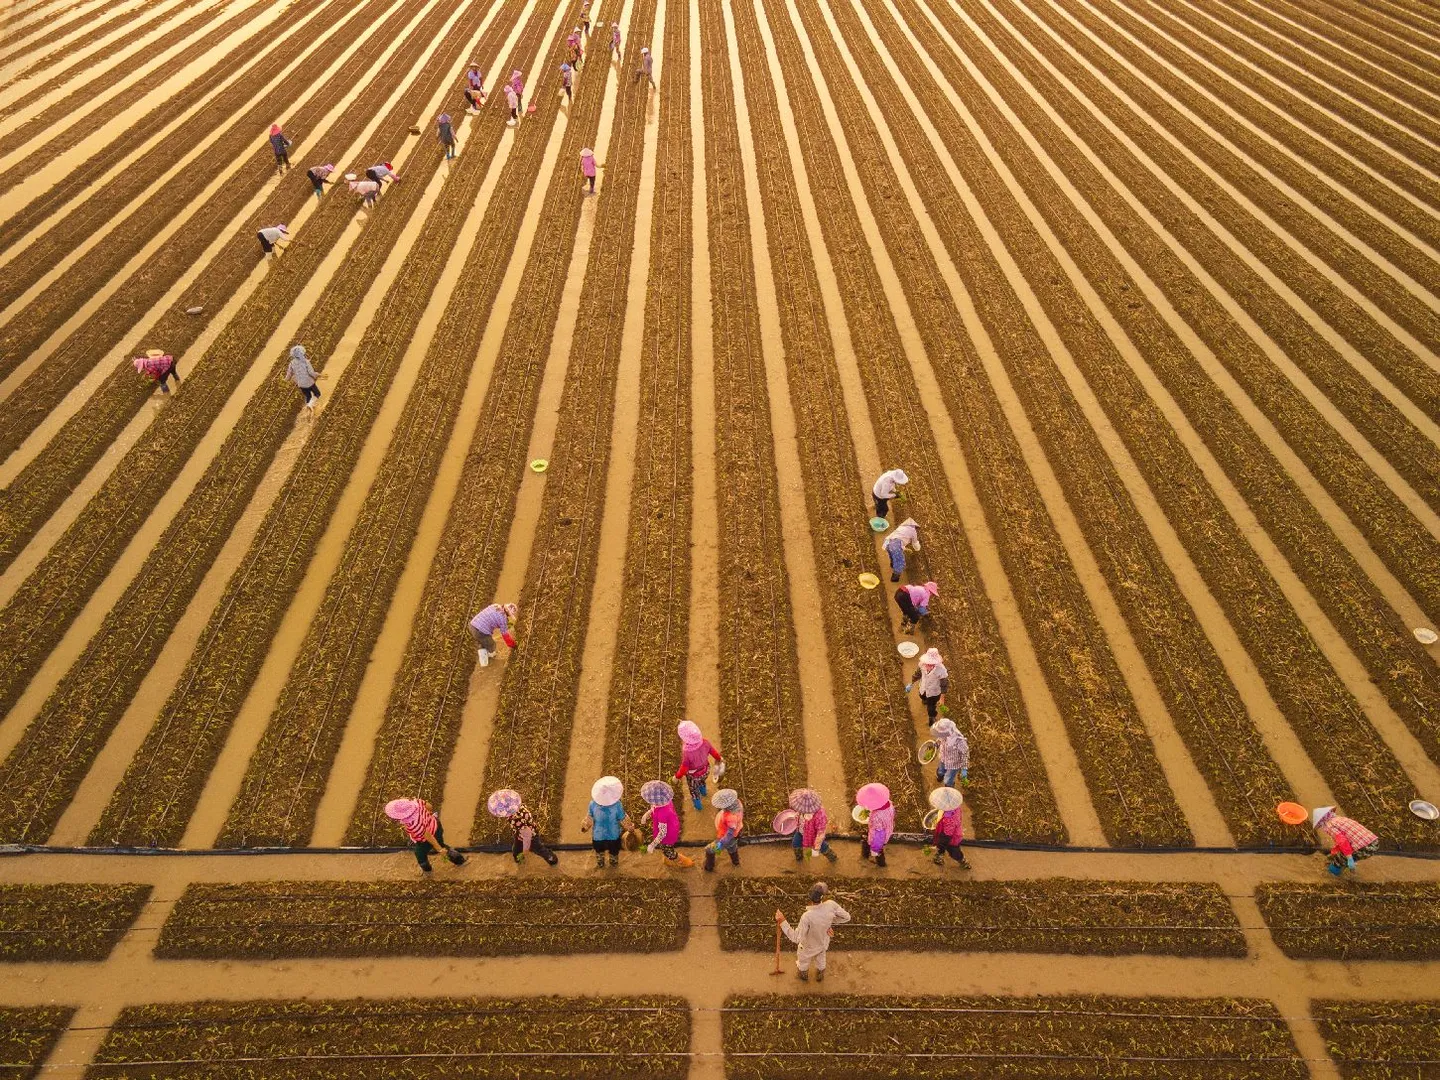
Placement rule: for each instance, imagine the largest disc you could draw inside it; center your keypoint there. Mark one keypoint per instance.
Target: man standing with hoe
(812, 937)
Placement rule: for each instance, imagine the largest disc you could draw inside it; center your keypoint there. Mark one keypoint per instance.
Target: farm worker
(954, 757)
(427, 836)
(1350, 841)
(886, 488)
(517, 81)
(281, 145)
(585, 17)
(475, 90)
(587, 167)
(512, 101)
(368, 190)
(319, 175)
(605, 820)
(506, 804)
(881, 823)
(567, 81)
(903, 536)
(810, 836)
(495, 619)
(647, 66)
(729, 823)
(574, 42)
(664, 822)
(615, 40)
(159, 366)
(382, 172)
(445, 132)
(812, 936)
(302, 374)
(273, 237)
(934, 679)
(950, 829)
(914, 603)
(695, 754)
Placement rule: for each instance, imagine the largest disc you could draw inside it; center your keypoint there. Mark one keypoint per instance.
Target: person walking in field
(508, 806)
(914, 603)
(573, 41)
(423, 828)
(615, 40)
(587, 167)
(729, 823)
(475, 89)
(512, 102)
(159, 366)
(810, 836)
(567, 82)
(949, 831)
(695, 754)
(382, 172)
(664, 822)
(585, 17)
(281, 145)
(319, 176)
(953, 759)
(275, 236)
(1350, 842)
(880, 825)
(517, 83)
(647, 66)
(445, 132)
(368, 190)
(934, 679)
(605, 819)
(812, 937)
(904, 537)
(887, 486)
(495, 619)
(302, 374)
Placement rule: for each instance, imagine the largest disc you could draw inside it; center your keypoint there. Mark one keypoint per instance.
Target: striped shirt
(1350, 830)
(421, 825)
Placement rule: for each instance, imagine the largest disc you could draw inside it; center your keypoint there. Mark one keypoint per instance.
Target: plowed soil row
(1060, 915)
(275, 920)
(1178, 75)
(66, 22)
(1208, 712)
(1008, 794)
(1381, 1040)
(1399, 41)
(647, 688)
(28, 1035)
(92, 695)
(531, 736)
(287, 774)
(877, 735)
(914, 1038)
(65, 922)
(164, 782)
(1287, 657)
(645, 1038)
(759, 685)
(1368, 920)
(47, 480)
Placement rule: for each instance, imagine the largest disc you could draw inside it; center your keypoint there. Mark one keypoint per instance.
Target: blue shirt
(607, 820)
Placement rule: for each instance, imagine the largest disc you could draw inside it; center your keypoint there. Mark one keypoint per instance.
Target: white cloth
(907, 533)
(931, 678)
(889, 483)
(274, 234)
(812, 937)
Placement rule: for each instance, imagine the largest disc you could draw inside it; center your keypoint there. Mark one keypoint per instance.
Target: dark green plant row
(65, 922)
(1354, 920)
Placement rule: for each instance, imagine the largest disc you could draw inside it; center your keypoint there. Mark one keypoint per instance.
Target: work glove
(650, 848)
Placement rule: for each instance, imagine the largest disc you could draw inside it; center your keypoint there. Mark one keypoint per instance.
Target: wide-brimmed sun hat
(944, 726)
(873, 796)
(689, 733)
(946, 799)
(607, 790)
(503, 803)
(725, 798)
(403, 810)
(804, 800)
(657, 793)
(932, 657)
(1319, 814)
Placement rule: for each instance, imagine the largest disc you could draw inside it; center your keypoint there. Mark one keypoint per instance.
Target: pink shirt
(587, 165)
(694, 760)
(812, 830)
(882, 824)
(665, 824)
(950, 827)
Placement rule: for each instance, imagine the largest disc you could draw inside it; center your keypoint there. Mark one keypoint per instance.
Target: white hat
(1319, 814)
(587, 152)
(946, 799)
(944, 726)
(644, 49)
(607, 790)
(931, 657)
(283, 229)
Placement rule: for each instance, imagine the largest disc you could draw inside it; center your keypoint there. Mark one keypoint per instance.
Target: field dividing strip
(1396, 39)
(41, 33)
(1283, 648)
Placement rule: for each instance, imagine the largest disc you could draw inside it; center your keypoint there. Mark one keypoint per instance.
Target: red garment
(950, 828)
(421, 825)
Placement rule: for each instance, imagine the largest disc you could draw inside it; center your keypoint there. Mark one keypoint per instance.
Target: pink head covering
(512, 611)
(873, 796)
(405, 811)
(689, 733)
(932, 588)
(274, 129)
(931, 658)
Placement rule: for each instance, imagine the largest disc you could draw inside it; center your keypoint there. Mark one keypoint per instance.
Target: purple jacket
(882, 824)
(491, 621)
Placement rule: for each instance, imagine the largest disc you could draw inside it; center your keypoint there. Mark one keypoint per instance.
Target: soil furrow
(80, 712)
(1391, 35)
(67, 25)
(287, 773)
(647, 689)
(27, 1035)
(531, 732)
(65, 922)
(1302, 682)
(163, 783)
(1368, 623)
(759, 687)
(64, 296)
(62, 234)
(46, 481)
(1380, 1040)
(1205, 707)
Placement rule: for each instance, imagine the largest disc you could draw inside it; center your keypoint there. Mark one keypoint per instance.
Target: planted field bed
(1056, 915)
(647, 688)
(845, 1037)
(93, 694)
(1295, 670)
(65, 922)
(606, 1038)
(27, 1035)
(1356, 920)
(759, 684)
(1381, 1040)
(278, 920)
(175, 760)
(47, 29)
(530, 738)
(287, 774)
